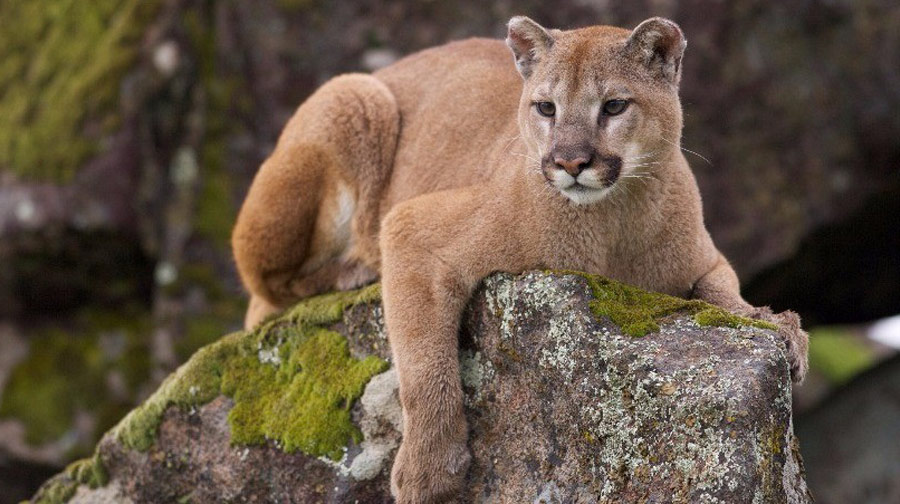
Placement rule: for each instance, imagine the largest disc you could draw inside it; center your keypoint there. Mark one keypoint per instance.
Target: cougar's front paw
(796, 341)
(795, 338)
(429, 473)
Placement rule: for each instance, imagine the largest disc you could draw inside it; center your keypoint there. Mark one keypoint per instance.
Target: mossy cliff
(94, 366)
(292, 382)
(60, 69)
(563, 404)
(117, 126)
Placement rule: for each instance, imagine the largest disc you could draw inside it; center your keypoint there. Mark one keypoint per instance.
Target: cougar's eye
(614, 107)
(545, 108)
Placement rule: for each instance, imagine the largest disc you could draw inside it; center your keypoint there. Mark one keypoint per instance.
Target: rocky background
(130, 130)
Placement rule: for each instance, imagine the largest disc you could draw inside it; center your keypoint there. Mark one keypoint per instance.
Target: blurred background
(130, 131)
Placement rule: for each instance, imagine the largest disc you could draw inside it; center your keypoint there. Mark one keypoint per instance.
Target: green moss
(713, 316)
(639, 312)
(328, 309)
(58, 490)
(66, 371)
(60, 67)
(89, 471)
(305, 402)
(292, 381)
(195, 382)
(62, 487)
(838, 354)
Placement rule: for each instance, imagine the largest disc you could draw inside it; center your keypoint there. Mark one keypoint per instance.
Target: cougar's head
(599, 104)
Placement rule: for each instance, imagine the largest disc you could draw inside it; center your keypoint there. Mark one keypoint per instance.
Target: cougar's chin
(584, 195)
(586, 188)
(589, 187)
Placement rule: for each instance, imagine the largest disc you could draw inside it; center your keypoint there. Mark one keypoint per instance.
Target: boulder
(578, 389)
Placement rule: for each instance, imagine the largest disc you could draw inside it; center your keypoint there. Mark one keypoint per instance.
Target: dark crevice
(845, 273)
(48, 277)
(20, 478)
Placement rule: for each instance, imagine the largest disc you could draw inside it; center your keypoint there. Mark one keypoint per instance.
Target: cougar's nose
(572, 166)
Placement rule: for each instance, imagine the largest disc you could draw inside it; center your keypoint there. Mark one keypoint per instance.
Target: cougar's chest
(574, 246)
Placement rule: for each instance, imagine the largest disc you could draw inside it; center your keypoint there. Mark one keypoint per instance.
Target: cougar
(464, 159)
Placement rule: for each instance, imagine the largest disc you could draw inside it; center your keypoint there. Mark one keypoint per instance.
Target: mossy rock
(639, 312)
(62, 487)
(280, 411)
(292, 381)
(61, 64)
(67, 371)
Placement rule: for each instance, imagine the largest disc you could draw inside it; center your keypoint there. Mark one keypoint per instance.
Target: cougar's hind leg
(344, 253)
(311, 215)
(370, 137)
(355, 274)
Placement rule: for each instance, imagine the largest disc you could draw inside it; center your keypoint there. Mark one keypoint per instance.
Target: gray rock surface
(563, 406)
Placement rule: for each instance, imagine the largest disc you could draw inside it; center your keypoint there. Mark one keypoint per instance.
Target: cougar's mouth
(590, 185)
(587, 186)
(597, 179)
(582, 194)
(579, 187)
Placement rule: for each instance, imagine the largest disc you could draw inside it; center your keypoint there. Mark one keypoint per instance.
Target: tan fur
(453, 175)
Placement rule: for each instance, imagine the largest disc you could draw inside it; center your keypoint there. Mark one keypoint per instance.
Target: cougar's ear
(529, 42)
(658, 44)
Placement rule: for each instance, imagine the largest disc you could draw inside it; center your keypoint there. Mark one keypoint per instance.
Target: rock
(850, 440)
(13, 349)
(578, 389)
(793, 104)
(374, 59)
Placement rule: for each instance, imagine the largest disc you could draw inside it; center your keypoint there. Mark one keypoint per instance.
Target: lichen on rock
(381, 423)
(690, 412)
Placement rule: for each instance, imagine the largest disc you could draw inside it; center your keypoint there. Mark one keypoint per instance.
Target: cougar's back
(458, 106)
